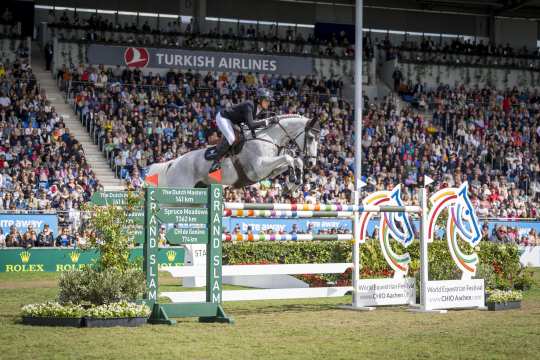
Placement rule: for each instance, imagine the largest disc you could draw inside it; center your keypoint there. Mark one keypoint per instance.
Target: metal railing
(468, 60)
(259, 45)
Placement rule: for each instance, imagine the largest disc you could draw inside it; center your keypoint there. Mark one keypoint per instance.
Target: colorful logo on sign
(171, 255)
(74, 256)
(136, 57)
(25, 256)
(395, 225)
(461, 221)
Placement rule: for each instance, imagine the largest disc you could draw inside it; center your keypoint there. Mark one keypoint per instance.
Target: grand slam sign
(142, 57)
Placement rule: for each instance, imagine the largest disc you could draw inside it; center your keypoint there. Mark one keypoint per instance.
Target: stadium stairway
(94, 157)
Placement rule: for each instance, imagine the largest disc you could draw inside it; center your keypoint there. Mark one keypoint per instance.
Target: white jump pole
(356, 252)
(358, 102)
(424, 263)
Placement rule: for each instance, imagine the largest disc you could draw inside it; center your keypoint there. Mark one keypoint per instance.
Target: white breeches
(226, 128)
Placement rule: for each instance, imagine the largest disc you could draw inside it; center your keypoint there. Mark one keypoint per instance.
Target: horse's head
(311, 143)
(399, 224)
(392, 225)
(301, 132)
(461, 221)
(464, 217)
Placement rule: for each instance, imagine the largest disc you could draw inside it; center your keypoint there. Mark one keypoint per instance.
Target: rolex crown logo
(171, 255)
(74, 255)
(25, 256)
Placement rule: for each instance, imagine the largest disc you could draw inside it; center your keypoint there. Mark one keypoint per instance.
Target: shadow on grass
(253, 308)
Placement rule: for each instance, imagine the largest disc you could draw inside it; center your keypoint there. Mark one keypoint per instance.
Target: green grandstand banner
(57, 260)
(140, 57)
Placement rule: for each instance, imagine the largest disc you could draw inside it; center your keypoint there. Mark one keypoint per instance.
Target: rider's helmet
(264, 94)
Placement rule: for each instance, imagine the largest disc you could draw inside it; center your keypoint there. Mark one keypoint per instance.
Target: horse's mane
(273, 124)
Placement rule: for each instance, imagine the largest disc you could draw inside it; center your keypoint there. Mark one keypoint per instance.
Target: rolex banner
(53, 260)
(173, 58)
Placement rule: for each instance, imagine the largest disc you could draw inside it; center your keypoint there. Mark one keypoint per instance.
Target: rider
(243, 113)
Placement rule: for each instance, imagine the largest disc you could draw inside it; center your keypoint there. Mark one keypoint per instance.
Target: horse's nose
(312, 163)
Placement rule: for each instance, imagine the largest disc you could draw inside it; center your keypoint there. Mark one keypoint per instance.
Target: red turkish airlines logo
(136, 57)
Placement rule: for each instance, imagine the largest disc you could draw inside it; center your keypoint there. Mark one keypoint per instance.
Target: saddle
(234, 149)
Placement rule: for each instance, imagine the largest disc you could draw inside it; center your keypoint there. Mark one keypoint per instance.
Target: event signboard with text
(197, 60)
(21, 222)
(461, 224)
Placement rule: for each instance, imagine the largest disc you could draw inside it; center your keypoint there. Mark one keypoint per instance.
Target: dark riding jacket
(244, 113)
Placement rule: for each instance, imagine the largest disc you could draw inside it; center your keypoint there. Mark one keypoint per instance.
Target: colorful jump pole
(285, 237)
(318, 209)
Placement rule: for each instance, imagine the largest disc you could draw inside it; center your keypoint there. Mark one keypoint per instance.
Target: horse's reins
(291, 140)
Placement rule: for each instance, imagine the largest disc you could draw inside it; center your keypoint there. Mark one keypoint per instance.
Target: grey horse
(284, 145)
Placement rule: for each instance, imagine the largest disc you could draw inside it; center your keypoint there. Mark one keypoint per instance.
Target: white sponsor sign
(529, 255)
(375, 292)
(195, 256)
(452, 294)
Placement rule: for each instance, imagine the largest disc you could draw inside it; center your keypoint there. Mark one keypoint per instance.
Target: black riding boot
(221, 150)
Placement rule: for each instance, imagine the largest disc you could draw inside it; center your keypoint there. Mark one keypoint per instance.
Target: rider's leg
(221, 149)
(226, 128)
(228, 139)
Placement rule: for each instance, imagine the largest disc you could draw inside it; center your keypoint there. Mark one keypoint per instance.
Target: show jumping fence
(202, 213)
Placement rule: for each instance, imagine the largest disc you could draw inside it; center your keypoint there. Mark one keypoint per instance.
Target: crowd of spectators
(42, 165)
(176, 34)
(44, 238)
(169, 115)
(460, 52)
(460, 46)
(486, 137)
(504, 234)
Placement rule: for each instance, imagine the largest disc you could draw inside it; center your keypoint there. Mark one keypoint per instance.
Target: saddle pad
(210, 152)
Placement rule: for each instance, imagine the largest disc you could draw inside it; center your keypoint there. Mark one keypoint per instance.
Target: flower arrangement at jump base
(54, 313)
(504, 299)
(106, 293)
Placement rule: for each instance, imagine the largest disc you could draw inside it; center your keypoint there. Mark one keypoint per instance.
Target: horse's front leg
(299, 170)
(276, 165)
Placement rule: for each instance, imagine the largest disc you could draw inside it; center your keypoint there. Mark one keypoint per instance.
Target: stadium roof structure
(528, 9)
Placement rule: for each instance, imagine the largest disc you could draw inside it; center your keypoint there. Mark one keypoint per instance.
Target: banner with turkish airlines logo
(141, 57)
(136, 57)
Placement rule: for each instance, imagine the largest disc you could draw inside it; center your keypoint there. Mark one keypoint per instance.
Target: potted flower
(117, 314)
(504, 300)
(105, 293)
(53, 314)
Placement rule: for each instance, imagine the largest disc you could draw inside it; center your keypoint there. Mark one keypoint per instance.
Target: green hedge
(498, 264)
